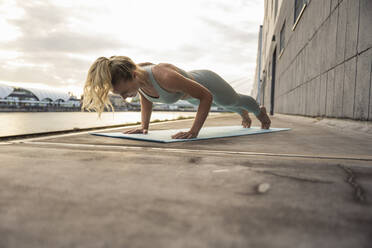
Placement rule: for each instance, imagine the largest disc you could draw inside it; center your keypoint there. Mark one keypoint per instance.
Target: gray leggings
(223, 94)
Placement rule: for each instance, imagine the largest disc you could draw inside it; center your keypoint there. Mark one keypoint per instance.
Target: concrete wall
(257, 75)
(325, 68)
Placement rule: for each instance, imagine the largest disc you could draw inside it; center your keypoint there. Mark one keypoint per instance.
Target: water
(28, 123)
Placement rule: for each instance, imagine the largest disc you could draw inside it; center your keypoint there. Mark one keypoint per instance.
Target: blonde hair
(103, 74)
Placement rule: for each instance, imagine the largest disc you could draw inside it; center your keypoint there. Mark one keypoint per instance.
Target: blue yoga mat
(164, 136)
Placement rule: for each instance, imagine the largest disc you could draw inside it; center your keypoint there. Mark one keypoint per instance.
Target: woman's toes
(264, 118)
(263, 109)
(246, 124)
(268, 124)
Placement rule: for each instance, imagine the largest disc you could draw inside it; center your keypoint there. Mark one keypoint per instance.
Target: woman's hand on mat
(137, 130)
(185, 135)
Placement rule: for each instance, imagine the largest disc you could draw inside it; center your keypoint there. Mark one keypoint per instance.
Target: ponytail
(97, 87)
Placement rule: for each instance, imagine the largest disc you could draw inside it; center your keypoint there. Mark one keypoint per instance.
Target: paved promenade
(307, 187)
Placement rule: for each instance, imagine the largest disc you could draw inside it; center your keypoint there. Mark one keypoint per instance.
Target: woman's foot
(246, 121)
(264, 118)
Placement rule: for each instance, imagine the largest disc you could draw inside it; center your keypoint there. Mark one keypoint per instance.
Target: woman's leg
(225, 96)
(245, 102)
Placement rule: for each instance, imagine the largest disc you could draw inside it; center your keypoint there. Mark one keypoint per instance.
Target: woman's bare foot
(264, 118)
(246, 121)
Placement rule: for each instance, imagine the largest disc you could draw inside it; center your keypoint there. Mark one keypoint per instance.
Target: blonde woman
(165, 83)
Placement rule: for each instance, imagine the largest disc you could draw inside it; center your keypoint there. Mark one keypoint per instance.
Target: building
(315, 58)
(14, 98)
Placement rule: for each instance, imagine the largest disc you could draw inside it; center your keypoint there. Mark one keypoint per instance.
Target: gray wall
(326, 65)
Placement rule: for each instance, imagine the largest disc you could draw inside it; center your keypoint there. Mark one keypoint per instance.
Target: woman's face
(126, 88)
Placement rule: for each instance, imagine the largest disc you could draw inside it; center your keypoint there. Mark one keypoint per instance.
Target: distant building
(25, 98)
(315, 58)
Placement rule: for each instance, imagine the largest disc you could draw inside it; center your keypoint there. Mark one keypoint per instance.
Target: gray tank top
(164, 96)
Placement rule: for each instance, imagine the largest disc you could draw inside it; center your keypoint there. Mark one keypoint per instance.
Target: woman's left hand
(185, 135)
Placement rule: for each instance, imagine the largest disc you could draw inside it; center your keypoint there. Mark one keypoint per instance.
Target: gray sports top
(164, 96)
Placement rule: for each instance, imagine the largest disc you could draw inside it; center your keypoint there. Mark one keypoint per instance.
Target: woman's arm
(146, 110)
(175, 82)
(201, 115)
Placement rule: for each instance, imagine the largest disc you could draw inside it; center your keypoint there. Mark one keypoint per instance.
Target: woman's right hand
(137, 130)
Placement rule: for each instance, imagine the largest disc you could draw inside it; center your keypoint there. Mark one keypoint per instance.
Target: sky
(51, 44)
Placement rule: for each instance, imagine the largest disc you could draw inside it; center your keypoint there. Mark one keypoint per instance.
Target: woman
(165, 83)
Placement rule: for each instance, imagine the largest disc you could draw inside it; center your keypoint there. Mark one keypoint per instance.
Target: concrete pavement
(80, 190)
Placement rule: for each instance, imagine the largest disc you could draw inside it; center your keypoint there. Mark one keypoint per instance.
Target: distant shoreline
(22, 110)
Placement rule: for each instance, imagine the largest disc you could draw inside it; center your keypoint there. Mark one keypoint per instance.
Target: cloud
(57, 41)
(64, 42)
(230, 33)
(48, 46)
(44, 27)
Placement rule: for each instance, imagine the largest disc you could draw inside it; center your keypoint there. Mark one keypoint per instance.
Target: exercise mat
(164, 136)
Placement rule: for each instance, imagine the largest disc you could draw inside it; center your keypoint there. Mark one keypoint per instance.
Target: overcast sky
(52, 44)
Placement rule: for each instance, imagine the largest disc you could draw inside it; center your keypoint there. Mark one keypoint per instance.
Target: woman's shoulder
(161, 66)
(145, 63)
(168, 66)
(164, 75)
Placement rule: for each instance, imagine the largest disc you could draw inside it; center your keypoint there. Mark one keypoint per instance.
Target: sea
(21, 123)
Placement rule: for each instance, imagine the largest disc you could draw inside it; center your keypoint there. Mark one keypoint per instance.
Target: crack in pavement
(359, 193)
(302, 179)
